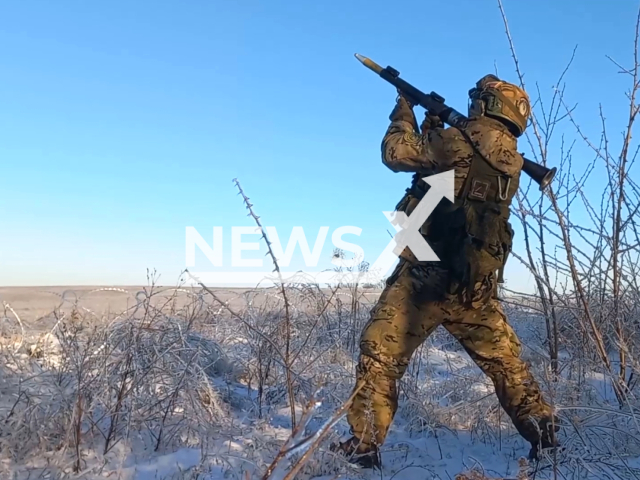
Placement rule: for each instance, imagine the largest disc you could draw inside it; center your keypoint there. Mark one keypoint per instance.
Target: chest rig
(472, 236)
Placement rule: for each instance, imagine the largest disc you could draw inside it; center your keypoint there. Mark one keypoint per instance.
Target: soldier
(472, 238)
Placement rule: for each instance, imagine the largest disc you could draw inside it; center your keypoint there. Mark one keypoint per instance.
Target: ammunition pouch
(412, 197)
(486, 244)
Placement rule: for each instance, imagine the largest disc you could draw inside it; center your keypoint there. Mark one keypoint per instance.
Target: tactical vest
(472, 236)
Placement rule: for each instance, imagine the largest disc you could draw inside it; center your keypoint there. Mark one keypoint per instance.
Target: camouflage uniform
(420, 296)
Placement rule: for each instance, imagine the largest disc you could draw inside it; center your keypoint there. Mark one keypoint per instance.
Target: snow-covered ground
(199, 391)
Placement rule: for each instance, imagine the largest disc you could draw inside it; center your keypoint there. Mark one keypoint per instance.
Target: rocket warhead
(370, 64)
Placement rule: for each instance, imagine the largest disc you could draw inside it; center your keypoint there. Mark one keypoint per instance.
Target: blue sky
(122, 123)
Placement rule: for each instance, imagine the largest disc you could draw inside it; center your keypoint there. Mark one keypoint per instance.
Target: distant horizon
(71, 287)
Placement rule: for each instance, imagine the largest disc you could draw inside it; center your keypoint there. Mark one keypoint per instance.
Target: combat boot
(548, 438)
(358, 453)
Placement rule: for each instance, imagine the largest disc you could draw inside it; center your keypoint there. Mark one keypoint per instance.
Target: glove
(403, 111)
(430, 122)
(404, 97)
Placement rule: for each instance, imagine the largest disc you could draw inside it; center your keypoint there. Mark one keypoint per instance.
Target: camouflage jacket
(479, 215)
(406, 150)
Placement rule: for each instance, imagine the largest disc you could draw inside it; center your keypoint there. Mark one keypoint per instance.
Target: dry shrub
(90, 385)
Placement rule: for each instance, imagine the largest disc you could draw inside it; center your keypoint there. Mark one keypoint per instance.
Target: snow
(448, 421)
(162, 466)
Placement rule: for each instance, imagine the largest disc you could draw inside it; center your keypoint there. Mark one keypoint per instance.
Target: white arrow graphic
(408, 227)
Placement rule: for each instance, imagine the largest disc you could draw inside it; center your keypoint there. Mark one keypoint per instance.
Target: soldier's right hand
(403, 110)
(430, 122)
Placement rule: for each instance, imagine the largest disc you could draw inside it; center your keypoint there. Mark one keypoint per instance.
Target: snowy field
(166, 383)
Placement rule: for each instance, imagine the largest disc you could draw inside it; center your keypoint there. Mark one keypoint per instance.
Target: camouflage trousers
(413, 304)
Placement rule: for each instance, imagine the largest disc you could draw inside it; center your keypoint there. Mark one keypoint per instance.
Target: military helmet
(501, 100)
